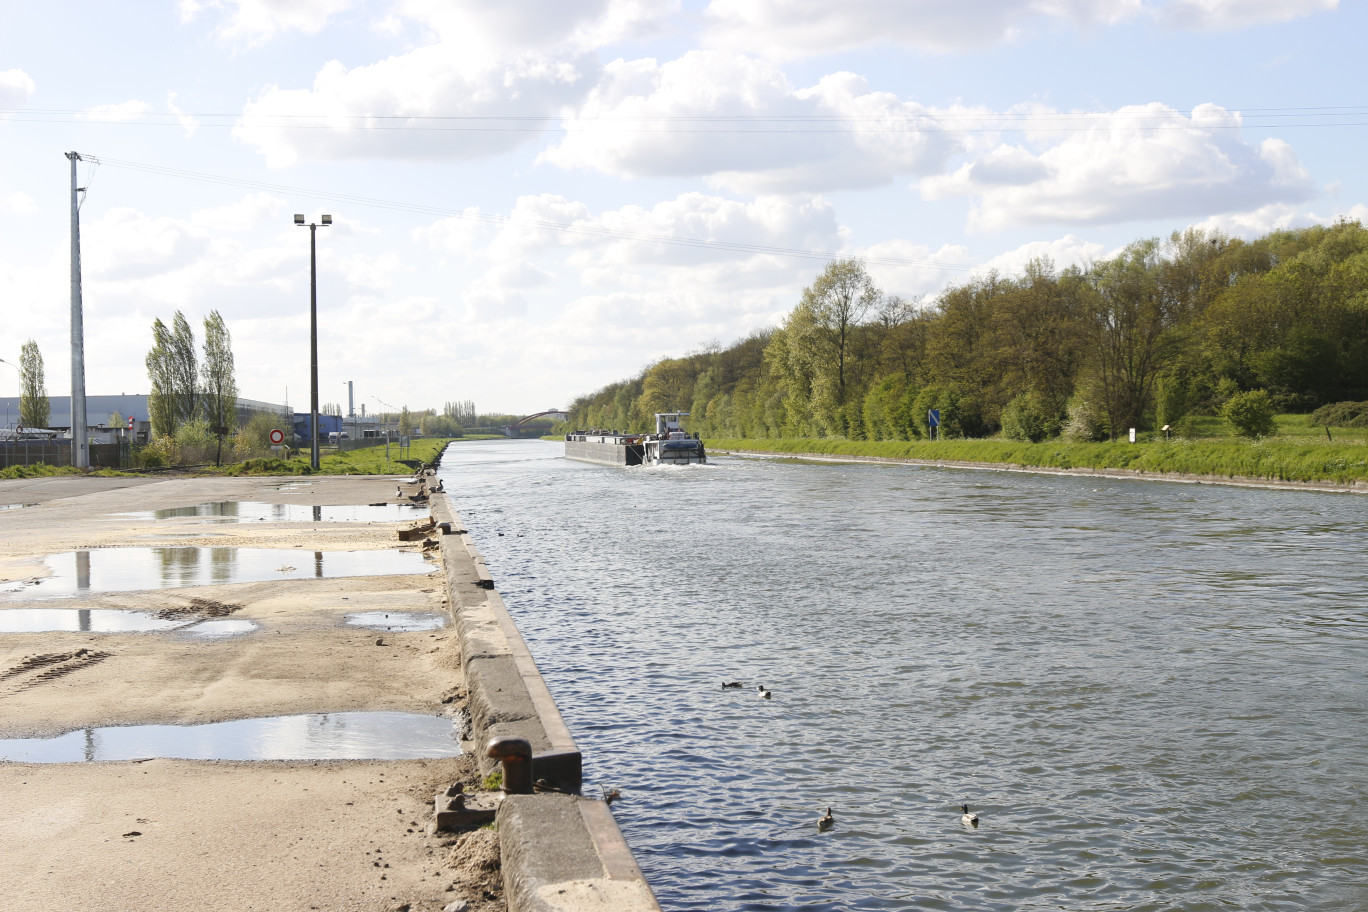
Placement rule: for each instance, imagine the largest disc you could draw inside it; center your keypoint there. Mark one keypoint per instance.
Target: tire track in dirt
(32, 671)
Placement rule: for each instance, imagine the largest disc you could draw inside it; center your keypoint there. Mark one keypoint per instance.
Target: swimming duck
(970, 820)
(826, 822)
(726, 684)
(764, 694)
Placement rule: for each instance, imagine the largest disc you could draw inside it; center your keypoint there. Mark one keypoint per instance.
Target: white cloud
(1278, 216)
(1141, 162)
(1063, 252)
(431, 103)
(248, 212)
(16, 87)
(791, 28)
(18, 203)
(738, 122)
(1233, 14)
(520, 25)
(806, 28)
(136, 111)
(257, 21)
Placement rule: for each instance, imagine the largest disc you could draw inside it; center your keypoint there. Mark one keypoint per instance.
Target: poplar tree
(219, 379)
(173, 371)
(161, 401)
(34, 408)
(184, 369)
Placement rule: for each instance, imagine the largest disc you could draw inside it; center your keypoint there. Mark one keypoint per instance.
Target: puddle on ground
(242, 511)
(18, 506)
(217, 630)
(131, 569)
(320, 736)
(94, 620)
(111, 620)
(400, 621)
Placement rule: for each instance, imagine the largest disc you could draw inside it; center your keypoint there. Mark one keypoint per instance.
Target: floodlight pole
(325, 221)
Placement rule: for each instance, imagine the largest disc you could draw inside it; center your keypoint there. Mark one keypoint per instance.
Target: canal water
(1154, 695)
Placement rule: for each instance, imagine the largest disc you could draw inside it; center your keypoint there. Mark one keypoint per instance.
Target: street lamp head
(299, 219)
(326, 219)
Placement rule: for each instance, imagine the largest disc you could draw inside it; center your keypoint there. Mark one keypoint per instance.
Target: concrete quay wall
(559, 851)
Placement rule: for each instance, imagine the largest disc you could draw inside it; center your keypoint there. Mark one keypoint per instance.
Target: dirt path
(215, 834)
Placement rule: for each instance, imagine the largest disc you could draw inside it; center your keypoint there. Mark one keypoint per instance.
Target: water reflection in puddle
(230, 511)
(396, 620)
(94, 620)
(320, 736)
(130, 569)
(109, 620)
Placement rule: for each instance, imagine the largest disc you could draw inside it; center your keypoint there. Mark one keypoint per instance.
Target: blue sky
(532, 199)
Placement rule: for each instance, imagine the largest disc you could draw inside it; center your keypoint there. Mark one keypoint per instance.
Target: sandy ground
(221, 835)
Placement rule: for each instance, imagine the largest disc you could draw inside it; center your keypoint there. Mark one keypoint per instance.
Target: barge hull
(620, 454)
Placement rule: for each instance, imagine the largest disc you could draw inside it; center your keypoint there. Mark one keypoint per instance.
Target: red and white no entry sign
(277, 436)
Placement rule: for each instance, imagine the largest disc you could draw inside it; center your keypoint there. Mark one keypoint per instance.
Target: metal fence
(58, 453)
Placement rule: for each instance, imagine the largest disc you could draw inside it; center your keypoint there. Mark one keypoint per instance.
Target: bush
(1341, 414)
(160, 451)
(1249, 414)
(1029, 417)
(195, 442)
(1083, 422)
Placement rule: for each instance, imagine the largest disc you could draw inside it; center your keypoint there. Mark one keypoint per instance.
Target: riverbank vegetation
(1210, 337)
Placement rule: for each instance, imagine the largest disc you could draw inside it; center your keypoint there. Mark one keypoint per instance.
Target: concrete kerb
(559, 852)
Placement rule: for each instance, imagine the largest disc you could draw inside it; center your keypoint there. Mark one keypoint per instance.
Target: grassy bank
(1291, 458)
(365, 461)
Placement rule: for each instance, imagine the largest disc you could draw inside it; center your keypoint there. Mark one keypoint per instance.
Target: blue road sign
(933, 418)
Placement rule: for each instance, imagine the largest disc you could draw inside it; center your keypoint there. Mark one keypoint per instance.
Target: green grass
(366, 461)
(1298, 456)
(42, 470)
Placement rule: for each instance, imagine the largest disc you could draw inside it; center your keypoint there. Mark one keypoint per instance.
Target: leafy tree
(173, 371)
(184, 369)
(1249, 414)
(405, 422)
(839, 300)
(161, 401)
(34, 407)
(439, 426)
(1128, 324)
(219, 379)
(1030, 416)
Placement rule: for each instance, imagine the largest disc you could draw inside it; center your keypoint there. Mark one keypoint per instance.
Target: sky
(534, 198)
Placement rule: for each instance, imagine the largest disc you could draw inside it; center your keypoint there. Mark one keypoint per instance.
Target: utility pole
(80, 441)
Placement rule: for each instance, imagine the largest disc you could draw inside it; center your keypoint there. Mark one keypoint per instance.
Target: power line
(593, 231)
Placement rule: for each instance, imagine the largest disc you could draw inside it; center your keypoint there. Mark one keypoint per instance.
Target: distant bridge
(530, 427)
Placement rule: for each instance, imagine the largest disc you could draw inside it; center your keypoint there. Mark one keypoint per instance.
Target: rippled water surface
(1154, 695)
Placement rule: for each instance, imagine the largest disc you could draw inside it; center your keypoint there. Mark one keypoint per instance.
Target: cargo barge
(669, 445)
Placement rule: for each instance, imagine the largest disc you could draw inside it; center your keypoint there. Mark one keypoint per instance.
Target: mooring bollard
(516, 756)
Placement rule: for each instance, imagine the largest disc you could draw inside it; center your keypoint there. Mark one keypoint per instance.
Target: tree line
(1165, 330)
